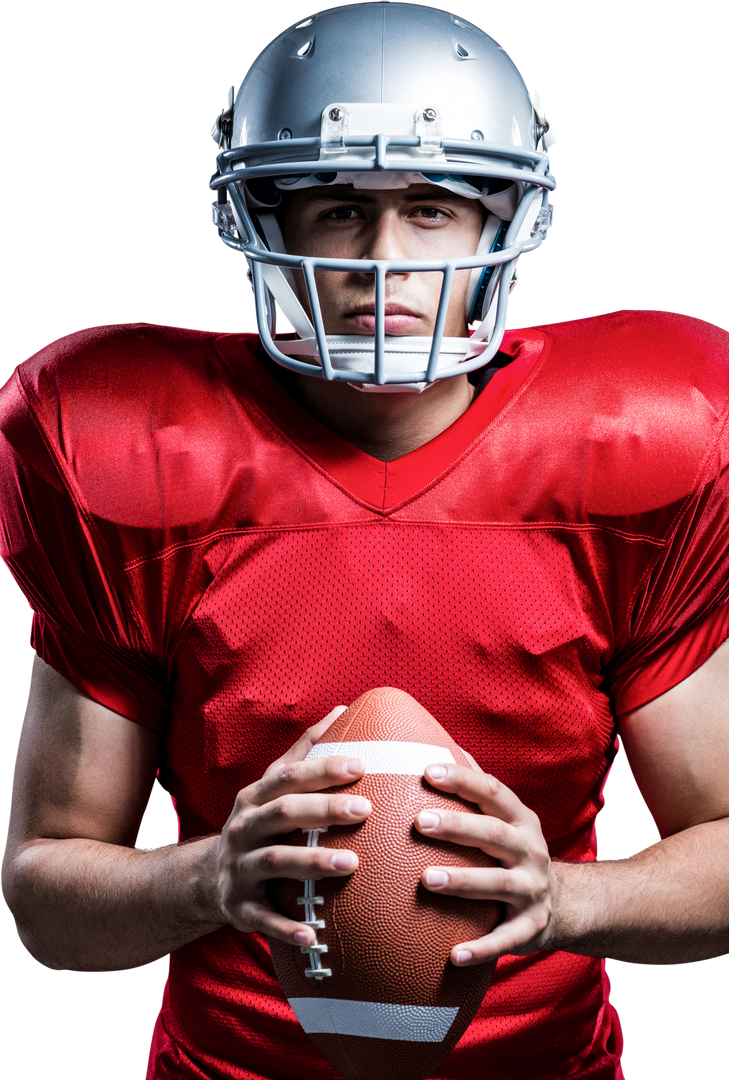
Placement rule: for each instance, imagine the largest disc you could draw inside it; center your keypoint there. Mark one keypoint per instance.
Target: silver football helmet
(382, 95)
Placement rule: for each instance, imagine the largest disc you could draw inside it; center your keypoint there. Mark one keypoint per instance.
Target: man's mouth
(398, 319)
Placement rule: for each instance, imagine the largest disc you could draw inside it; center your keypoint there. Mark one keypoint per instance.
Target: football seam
(310, 900)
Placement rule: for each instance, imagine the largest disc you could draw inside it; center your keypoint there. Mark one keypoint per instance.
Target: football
(377, 993)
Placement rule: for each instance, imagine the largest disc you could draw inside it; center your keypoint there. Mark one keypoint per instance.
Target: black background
(107, 144)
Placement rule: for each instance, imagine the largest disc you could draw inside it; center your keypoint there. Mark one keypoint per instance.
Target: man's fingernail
(436, 877)
(437, 772)
(343, 860)
(429, 820)
(464, 956)
(353, 766)
(302, 937)
(357, 806)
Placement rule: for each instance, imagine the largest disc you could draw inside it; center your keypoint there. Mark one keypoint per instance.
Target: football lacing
(310, 900)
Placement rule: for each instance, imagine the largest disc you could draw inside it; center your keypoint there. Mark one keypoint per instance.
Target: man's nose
(385, 238)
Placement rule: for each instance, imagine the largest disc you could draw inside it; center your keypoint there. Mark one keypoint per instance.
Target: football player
(524, 530)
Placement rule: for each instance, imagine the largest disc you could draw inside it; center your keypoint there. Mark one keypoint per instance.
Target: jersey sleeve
(680, 611)
(84, 626)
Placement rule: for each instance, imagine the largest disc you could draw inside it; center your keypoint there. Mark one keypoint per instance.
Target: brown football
(377, 994)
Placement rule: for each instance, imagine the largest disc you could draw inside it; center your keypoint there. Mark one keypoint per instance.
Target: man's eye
(343, 213)
(432, 213)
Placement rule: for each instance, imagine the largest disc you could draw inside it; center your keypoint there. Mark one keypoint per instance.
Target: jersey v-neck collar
(384, 486)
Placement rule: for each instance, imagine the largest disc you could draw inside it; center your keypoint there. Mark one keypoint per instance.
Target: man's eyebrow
(442, 195)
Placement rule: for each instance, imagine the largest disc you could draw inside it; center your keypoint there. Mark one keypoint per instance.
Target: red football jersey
(206, 558)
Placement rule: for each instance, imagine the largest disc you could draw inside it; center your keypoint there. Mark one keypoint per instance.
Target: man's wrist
(575, 901)
(664, 905)
(200, 859)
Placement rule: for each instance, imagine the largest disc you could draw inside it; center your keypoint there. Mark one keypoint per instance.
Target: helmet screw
(285, 133)
(335, 115)
(430, 115)
(477, 136)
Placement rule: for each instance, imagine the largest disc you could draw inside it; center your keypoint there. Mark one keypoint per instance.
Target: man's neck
(386, 426)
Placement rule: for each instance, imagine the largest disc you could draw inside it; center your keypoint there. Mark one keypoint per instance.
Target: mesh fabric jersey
(205, 558)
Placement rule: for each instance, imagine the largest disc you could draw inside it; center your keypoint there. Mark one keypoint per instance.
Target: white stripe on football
(399, 758)
(373, 1019)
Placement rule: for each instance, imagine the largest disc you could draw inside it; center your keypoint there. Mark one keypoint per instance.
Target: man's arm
(667, 904)
(85, 898)
(81, 894)
(670, 903)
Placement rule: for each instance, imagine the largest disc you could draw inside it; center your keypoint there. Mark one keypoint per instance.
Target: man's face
(418, 222)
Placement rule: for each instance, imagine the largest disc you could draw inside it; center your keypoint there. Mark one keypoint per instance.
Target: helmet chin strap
(352, 352)
(392, 388)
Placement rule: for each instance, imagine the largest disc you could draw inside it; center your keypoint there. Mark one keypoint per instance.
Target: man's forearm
(667, 905)
(86, 905)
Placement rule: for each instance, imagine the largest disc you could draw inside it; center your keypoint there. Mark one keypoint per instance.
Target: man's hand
(286, 798)
(524, 882)
(668, 904)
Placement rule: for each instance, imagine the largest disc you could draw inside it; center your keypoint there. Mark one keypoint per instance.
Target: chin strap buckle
(429, 129)
(544, 224)
(221, 129)
(334, 125)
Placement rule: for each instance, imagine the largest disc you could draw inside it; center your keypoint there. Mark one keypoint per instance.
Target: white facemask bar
(357, 359)
(288, 300)
(500, 206)
(360, 360)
